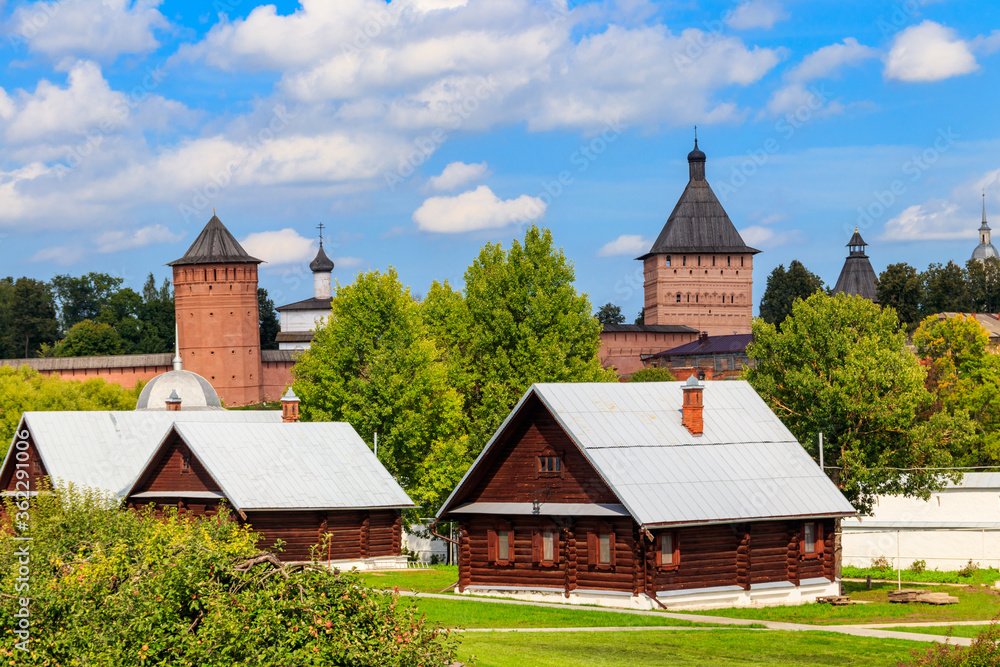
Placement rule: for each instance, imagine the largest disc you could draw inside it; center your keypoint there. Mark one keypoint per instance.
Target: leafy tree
(945, 289)
(82, 297)
(85, 339)
(641, 317)
(374, 364)
(652, 374)
(609, 313)
(23, 389)
(33, 321)
(900, 287)
(784, 287)
(526, 324)
(983, 279)
(839, 366)
(111, 587)
(7, 347)
(269, 326)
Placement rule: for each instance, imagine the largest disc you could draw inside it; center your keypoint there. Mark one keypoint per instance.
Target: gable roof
(727, 344)
(294, 466)
(746, 466)
(107, 450)
(215, 245)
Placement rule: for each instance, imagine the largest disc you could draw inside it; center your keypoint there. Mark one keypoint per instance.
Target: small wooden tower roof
(215, 245)
(857, 276)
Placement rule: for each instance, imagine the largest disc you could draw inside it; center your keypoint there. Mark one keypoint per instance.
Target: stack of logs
(911, 595)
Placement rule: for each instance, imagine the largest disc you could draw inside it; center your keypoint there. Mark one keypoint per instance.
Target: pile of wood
(835, 600)
(911, 595)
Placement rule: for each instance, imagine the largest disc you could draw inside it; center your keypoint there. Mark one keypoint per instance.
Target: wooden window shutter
(555, 545)
(611, 544)
(592, 555)
(677, 550)
(802, 541)
(819, 538)
(510, 546)
(492, 543)
(536, 547)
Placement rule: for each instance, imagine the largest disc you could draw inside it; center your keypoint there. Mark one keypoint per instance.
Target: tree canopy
(609, 313)
(784, 287)
(269, 325)
(839, 366)
(900, 287)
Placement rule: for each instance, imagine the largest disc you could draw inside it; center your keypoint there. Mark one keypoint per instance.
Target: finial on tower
(984, 206)
(178, 363)
(320, 228)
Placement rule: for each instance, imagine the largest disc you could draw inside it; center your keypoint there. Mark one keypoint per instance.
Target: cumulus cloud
(457, 174)
(928, 52)
(626, 244)
(99, 29)
(348, 262)
(63, 255)
(759, 236)
(819, 64)
(281, 247)
(934, 220)
(475, 209)
(115, 241)
(756, 14)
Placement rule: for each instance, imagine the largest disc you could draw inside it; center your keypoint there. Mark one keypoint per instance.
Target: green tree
(899, 287)
(86, 339)
(652, 374)
(375, 365)
(269, 326)
(784, 287)
(945, 289)
(839, 366)
(82, 297)
(641, 317)
(7, 347)
(609, 313)
(526, 324)
(33, 317)
(984, 284)
(26, 390)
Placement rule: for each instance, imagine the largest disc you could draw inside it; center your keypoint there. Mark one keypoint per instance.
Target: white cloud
(934, 220)
(457, 174)
(99, 29)
(827, 60)
(348, 262)
(928, 52)
(280, 247)
(475, 209)
(115, 241)
(759, 236)
(756, 14)
(62, 255)
(626, 244)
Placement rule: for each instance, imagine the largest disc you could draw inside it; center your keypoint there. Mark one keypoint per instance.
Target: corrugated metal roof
(745, 466)
(315, 465)
(545, 509)
(977, 480)
(107, 450)
(728, 344)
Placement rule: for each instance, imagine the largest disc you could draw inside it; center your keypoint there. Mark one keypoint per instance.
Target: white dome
(195, 392)
(984, 251)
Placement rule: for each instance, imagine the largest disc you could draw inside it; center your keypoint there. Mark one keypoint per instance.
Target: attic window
(38, 466)
(550, 464)
(185, 463)
(811, 540)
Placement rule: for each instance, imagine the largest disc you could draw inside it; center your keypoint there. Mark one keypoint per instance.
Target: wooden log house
(673, 494)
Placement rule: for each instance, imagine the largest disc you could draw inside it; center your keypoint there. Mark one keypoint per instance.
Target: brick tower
(699, 272)
(218, 327)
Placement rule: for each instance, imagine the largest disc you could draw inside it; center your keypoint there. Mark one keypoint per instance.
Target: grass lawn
(470, 614)
(424, 580)
(715, 647)
(950, 630)
(975, 603)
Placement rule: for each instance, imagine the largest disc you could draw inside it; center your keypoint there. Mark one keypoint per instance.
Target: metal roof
(746, 466)
(322, 263)
(647, 328)
(857, 276)
(107, 450)
(312, 303)
(977, 480)
(544, 509)
(728, 344)
(215, 245)
(302, 465)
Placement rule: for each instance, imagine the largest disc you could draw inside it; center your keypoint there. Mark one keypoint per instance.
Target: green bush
(980, 576)
(111, 587)
(881, 563)
(984, 652)
(969, 570)
(918, 566)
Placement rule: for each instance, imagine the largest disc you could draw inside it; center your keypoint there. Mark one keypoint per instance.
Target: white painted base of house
(363, 564)
(759, 595)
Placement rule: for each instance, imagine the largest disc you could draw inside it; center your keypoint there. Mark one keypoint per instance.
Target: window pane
(810, 537)
(504, 549)
(558, 464)
(548, 546)
(604, 549)
(667, 549)
(542, 464)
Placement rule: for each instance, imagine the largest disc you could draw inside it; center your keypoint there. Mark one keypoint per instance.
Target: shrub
(111, 587)
(969, 570)
(984, 652)
(881, 563)
(918, 566)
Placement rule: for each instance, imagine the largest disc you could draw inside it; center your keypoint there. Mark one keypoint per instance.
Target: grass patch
(718, 647)
(975, 604)
(471, 614)
(980, 576)
(950, 630)
(423, 580)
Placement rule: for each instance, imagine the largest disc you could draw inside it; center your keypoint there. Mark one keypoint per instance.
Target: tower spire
(320, 228)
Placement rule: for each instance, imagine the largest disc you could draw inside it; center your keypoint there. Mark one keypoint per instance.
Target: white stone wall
(424, 547)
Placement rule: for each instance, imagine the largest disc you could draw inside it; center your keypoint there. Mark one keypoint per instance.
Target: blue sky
(418, 130)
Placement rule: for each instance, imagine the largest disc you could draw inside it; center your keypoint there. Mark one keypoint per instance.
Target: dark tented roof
(698, 222)
(322, 263)
(307, 304)
(215, 245)
(857, 276)
(856, 240)
(729, 344)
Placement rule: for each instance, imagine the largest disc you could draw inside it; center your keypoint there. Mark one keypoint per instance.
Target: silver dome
(984, 251)
(195, 392)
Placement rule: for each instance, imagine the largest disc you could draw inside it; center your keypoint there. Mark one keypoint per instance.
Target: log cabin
(645, 495)
(317, 487)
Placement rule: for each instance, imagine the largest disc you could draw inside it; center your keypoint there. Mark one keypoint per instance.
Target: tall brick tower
(218, 327)
(699, 272)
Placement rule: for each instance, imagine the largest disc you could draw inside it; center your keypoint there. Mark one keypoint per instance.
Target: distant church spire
(985, 249)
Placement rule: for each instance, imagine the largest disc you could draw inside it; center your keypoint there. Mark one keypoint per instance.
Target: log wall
(168, 474)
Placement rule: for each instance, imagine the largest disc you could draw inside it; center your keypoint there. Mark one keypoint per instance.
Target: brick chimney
(693, 406)
(703, 337)
(289, 407)
(173, 401)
